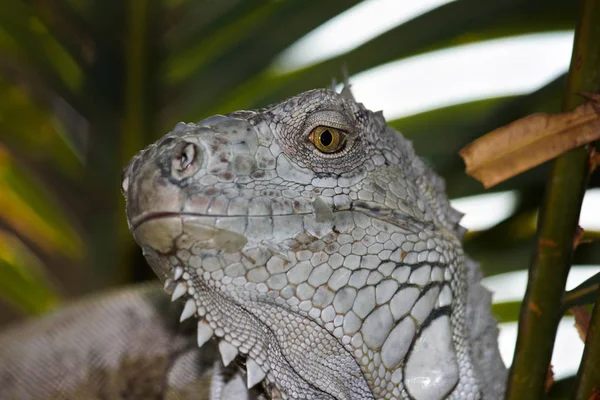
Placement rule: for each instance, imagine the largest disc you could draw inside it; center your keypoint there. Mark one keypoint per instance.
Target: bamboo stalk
(588, 378)
(559, 214)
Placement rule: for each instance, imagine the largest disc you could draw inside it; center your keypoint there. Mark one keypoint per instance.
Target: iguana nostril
(185, 161)
(185, 157)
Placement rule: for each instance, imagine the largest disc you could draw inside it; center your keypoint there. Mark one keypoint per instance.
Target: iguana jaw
(247, 322)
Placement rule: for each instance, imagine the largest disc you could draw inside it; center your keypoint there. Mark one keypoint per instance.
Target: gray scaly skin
(334, 274)
(123, 344)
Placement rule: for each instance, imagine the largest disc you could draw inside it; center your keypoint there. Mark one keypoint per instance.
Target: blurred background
(86, 84)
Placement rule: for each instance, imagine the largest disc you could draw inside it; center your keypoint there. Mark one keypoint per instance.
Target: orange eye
(327, 139)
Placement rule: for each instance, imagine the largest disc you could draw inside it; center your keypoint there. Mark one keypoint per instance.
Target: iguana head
(313, 244)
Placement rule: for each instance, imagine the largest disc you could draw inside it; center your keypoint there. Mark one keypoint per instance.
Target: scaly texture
(125, 344)
(328, 264)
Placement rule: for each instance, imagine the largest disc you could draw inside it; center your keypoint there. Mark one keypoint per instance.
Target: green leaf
(506, 312)
(583, 294)
(244, 53)
(205, 47)
(426, 129)
(36, 134)
(439, 134)
(23, 282)
(193, 21)
(34, 213)
(506, 247)
(24, 36)
(452, 24)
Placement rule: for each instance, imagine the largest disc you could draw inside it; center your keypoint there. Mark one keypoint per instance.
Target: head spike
(346, 92)
(333, 84)
(379, 117)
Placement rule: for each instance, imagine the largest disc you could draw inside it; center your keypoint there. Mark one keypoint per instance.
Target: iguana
(318, 255)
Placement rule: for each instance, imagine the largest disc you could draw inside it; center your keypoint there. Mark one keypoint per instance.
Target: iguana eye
(327, 139)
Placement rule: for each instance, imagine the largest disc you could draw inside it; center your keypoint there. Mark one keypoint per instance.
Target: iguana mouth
(137, 221)
(167, 232)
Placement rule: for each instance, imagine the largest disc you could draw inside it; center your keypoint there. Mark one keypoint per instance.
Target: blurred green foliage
(86, 84)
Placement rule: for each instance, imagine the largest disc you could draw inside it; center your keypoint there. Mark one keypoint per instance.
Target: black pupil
(326, 138)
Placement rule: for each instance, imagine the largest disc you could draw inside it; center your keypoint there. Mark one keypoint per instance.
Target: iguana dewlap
(312, 243)
(316, 254)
